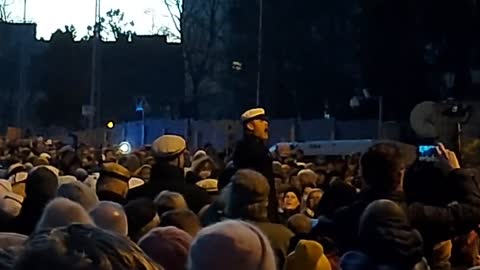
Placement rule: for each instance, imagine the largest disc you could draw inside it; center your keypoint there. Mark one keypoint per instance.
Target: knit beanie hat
(308, 255)
(232, 245)
(299, 223)
(80, 193)
(62, 212)
(168, 200)
(386, 235)
(168, 246)
(247, 187)
(294, 191)
(184, 219)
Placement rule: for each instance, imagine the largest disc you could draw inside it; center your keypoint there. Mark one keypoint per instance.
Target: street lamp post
(260, 44)
(93, 78)
(24, 11)
(380, 116)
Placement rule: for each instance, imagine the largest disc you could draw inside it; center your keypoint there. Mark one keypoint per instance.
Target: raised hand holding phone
(447, 160)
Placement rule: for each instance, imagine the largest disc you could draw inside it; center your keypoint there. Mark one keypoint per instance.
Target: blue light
(426, 148)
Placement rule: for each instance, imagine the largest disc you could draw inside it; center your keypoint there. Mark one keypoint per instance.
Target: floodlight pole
(380, 117)
(93, 77)
(259, 51)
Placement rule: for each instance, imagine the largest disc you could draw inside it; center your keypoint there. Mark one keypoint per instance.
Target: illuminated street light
(110, 125)
(125, 148)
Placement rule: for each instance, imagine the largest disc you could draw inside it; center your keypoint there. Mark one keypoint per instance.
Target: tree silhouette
(5, 13)
(200, 24)
(70, 29)
(113, 25)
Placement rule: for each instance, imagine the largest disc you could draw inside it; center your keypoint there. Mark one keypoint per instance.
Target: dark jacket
(252, 153)
(436, 224)
(167, 177)
(387, 237)
(279, 237)
(356, 260)
(41, 186)
(346, 220)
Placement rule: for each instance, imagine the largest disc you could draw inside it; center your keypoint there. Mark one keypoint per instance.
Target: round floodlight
(125, 148)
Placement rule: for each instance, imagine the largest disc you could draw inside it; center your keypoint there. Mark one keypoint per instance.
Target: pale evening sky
(51, 15)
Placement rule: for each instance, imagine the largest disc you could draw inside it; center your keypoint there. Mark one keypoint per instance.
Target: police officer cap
(169, 146)
(253, 114)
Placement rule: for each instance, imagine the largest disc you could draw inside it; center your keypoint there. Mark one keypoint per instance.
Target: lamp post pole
(24, 11)
(380, 117)
(260, 44)
(93, 77)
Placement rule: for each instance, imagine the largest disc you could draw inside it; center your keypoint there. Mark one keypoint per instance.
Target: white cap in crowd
(252, 114)
(169, 146)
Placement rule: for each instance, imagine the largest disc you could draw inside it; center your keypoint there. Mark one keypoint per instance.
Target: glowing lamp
(110, 125)
(125, 148)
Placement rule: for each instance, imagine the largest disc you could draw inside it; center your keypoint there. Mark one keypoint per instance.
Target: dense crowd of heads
(165, 207)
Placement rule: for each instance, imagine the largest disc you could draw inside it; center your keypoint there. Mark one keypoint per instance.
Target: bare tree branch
(177, 4)
(201, 27)
(5, 14)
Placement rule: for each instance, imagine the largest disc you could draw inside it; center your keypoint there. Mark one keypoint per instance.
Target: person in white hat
(168, 174)
(252, 152)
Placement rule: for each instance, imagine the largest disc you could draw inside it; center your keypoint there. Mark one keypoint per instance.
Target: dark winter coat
(252, 153)
(41, 186)
(436, 224)
(167, 177)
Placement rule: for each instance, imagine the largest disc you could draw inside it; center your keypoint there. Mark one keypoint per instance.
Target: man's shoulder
(348, 213)
(274, 229)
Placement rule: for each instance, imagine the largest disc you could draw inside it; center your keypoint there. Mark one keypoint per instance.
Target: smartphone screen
(427, 153)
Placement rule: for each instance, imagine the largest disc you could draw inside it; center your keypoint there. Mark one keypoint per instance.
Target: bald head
(62, 212)
(110, 216)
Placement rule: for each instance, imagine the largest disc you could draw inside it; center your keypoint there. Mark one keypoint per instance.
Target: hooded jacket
(387, 237)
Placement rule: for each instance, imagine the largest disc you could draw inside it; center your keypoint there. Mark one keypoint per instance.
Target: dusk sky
(51, 15)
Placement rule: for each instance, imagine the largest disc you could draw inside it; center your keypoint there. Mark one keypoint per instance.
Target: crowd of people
(165, 207)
